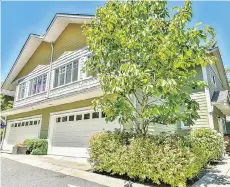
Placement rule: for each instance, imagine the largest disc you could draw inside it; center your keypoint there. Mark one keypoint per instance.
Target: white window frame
(19, 91)
(72, 70)
(30, 91)
(183, 126)
(214, 79)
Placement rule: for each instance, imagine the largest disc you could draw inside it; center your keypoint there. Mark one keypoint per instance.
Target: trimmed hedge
(170, 159)
(207, 144)
(36, 146)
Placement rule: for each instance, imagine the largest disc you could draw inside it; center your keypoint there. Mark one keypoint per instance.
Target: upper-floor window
(213, 79)
(66, 74)
(38, 84)
(21, 90)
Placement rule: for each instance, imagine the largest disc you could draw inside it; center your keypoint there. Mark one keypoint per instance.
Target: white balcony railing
(65, 90)
(31, 99)
(78, 86)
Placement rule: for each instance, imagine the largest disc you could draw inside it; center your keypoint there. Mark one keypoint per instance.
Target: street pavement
(15, 174)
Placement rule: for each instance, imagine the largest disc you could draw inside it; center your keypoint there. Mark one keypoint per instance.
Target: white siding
(31, 99)
(74, 87)
(211, 71)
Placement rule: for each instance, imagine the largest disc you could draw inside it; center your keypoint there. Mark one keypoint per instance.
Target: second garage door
(71, 131)
(21, 129)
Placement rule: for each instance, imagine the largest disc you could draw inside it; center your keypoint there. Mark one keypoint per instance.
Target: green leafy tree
(144, 54)
(6, 102)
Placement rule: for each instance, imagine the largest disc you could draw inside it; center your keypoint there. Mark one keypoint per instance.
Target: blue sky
(19, 19)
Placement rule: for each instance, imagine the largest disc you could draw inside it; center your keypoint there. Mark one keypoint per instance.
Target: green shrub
(29, 143)
(171, 159)
(36, 146)
(207, 144)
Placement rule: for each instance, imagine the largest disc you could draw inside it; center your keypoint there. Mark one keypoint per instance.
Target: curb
(93, 177)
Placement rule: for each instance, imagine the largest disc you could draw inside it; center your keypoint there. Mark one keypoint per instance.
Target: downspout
(50, 70)
(48, 93)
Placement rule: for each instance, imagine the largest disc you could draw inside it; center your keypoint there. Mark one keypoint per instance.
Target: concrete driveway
(16, 174)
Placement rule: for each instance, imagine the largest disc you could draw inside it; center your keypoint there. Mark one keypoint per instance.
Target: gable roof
(55, 28)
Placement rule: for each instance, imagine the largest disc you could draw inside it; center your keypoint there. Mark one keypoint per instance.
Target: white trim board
(25, 118)
(208, 98)
(88, 108)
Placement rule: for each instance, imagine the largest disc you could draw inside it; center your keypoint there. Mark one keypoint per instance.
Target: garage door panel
(76, 134)
(72, 144)
(83, 127)
(18, 133)
(76, 142)
(74, 131)
(74, 137)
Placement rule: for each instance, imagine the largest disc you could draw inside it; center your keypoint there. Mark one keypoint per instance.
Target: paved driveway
(15, 174)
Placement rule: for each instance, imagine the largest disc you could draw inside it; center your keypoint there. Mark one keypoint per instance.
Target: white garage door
(71, 131)
(21, 129)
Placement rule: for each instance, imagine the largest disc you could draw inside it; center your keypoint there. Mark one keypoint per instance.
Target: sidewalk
(68, 166)
(219, 176)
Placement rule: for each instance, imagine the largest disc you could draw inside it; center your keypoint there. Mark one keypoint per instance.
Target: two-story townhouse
(53, 95)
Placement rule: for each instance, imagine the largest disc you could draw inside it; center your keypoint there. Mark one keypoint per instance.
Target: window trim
(64, 117)
(213, 79)
(65, 65)
(97, 117)
(78, 115)
(72, 115)
(18, 91)
(58, 118)
(36, 77)
(184, 126)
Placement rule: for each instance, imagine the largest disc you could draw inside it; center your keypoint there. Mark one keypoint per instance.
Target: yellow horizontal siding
(40, 57)
(70, 39)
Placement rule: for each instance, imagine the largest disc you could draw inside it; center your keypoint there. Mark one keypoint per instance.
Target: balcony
(64, 91)
(78, 86)
(31, 99)
(61, 79)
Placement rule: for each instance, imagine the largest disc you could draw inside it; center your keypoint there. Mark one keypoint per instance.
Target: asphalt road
(15, 174)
